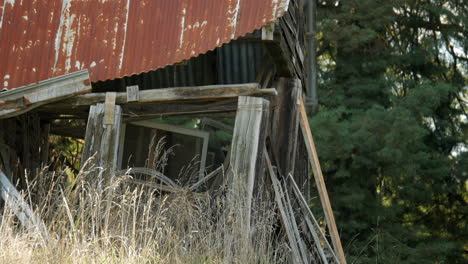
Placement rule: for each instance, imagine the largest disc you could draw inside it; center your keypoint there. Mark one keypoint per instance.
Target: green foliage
(65, 152)
(391, 129)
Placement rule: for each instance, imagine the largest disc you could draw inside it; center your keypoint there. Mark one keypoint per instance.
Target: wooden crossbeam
(176, 94)
(322, 189)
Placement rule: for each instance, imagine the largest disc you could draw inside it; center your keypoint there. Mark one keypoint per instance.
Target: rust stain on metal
(115, 38)
(14, 104)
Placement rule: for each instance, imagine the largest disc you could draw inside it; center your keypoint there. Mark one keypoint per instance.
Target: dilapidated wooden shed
(123, 67)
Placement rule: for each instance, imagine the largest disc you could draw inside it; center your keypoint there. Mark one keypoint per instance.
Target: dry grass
(91, 221)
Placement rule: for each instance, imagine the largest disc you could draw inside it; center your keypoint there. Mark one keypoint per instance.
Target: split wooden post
(246, 164)
(322, 189)
(101, 138)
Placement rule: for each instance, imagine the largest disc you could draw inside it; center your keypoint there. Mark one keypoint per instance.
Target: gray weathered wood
(247, 145)
(102, 140)
(133, 93)
(20, 208)
(298, 239)
(285, 220)
(26, 98)
(246, 163)
(196, 93)
(109, 110)
(308, 215)
(219, 170)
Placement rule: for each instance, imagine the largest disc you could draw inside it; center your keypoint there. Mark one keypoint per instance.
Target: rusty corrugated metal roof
(115, 38)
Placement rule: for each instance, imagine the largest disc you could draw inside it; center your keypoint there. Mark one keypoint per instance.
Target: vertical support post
(246, 164)
(103, 139)
(286, 124)
(322, 189)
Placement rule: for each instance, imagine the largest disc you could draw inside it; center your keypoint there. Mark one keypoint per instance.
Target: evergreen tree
(391, 127)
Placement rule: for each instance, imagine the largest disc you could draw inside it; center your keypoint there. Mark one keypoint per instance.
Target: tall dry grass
(92, 221)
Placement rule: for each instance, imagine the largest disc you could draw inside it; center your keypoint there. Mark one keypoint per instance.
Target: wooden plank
(219, 170)
(320, 182)
(308, 215)
(23, 99)
(196, 93)
(246, 164)
(133, 93)
(298, 239)
(146, 111)
(283, 213)
(20, 208)
(102, 140)
(150, 172)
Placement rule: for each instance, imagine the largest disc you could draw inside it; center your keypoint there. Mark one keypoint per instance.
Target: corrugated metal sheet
(239, 61)
(115, 38)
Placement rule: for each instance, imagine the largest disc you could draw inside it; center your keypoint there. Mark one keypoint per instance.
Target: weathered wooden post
(286, 124)
(246, 164)
(102, 135)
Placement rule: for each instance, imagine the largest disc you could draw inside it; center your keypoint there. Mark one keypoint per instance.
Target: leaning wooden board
(322, 189)
(20, 208)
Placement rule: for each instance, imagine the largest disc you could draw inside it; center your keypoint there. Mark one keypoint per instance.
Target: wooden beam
(320, 182)
(196, 93)
(23, 99)
(146, 111)
(246, 164)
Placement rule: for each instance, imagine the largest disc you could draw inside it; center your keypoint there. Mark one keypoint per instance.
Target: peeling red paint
(115, 38)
